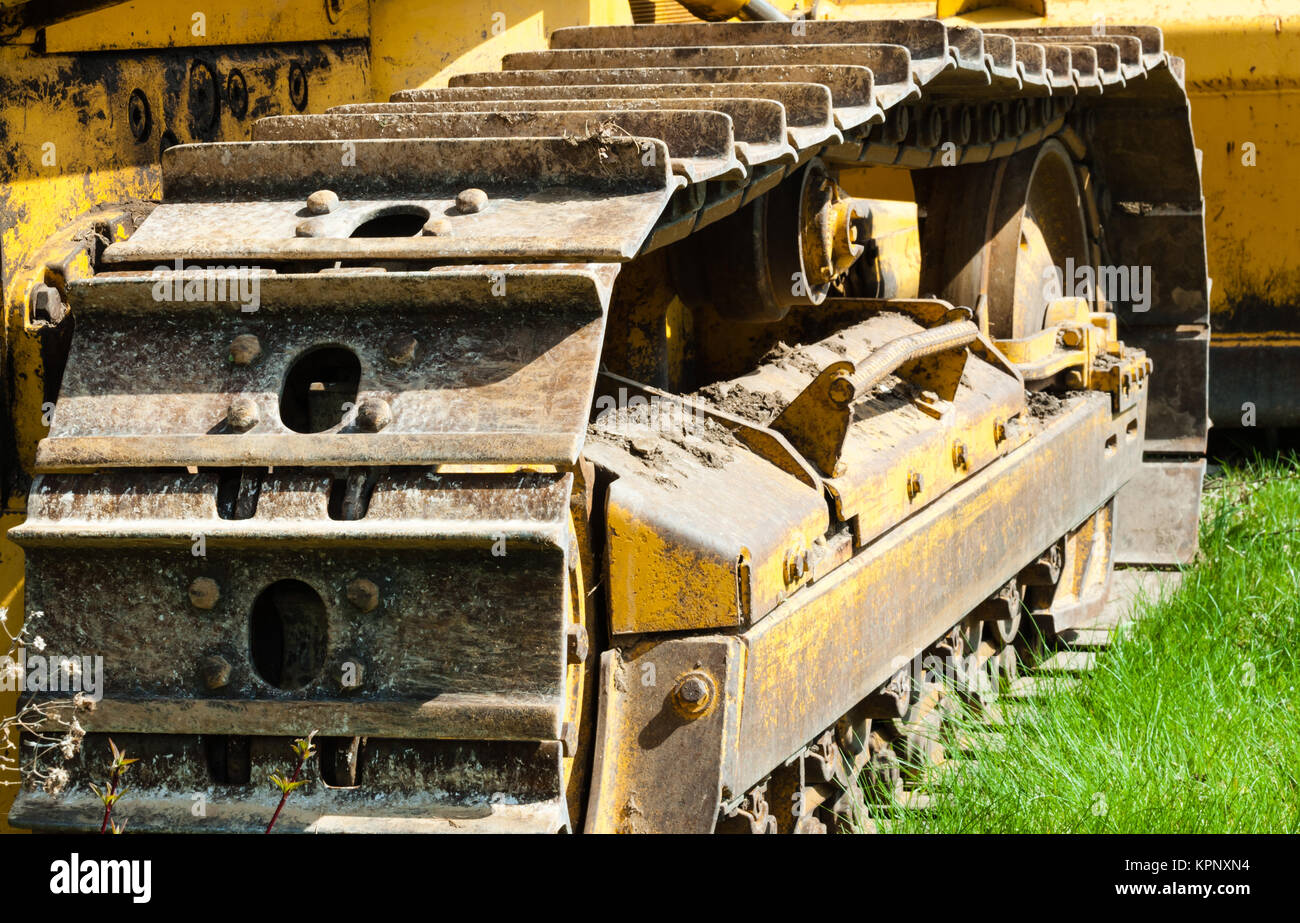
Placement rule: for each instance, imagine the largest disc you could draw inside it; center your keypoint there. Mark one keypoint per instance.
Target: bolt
(47, 304)
(216, 672)
(436, 227)
(242, 415)
(401, 349)
(237, 94)
(204, 100)
(578, 644)
(694, 694)
(373, 414)
(959, 460)
(204, 593)
(138, 116)
(363, 594)
(692, 690)
(913, 484)
(930, 397)
(569, 738)
(244, 349)
(841, 390)
(322, 201)
(999, 431)
(297, 86)
(469, 201)
(1071, 336)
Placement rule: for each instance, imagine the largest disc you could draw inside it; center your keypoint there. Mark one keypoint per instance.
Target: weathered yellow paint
(673, 588)
(166, 24)
(1285, 338)
(425, 43)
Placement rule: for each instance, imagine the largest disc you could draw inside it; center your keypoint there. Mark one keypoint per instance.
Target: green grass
(1190, 723)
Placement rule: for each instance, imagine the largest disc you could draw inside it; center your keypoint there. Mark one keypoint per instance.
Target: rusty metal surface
(852, 93)
(809, 117)
(547, 198)
(832, 643)
(898, 452)
(502, 368)
(890, 65)
(1157, 514)
(684, 548)
(645, 735)
(845, 639)
(757, 124)
(408, 787)
(483, 559)
(925, 40)
(700, 143)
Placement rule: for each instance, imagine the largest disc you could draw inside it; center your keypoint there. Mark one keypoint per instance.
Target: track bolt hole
(317, 387)
(288, 634)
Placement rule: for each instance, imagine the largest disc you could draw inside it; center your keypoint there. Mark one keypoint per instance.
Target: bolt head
(47, 304)
(1071, 337)
(400, 350)
(469, 201)
(216, 672)
(363, 594)
(841, 390)
(373, 414)
(244, 349)
(437, 227)
(204, 593)
(579, 646)
(694, 694)
(569, 738)
(692, 690)
(243, 414)
(322, 202)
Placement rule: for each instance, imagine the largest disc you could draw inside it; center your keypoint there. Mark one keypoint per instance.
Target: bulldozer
(580, 416)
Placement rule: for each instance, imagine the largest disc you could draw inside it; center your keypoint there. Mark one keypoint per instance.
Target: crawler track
(395, 474)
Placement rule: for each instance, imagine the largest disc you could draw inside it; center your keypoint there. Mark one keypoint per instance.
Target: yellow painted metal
(714, 10)
(145, 24)
(423, 43)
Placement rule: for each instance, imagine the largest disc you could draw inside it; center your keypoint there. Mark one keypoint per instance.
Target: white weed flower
(56, 780)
